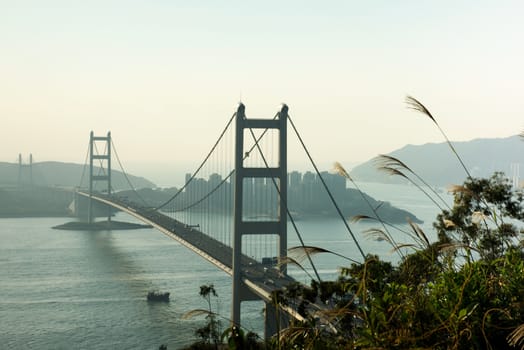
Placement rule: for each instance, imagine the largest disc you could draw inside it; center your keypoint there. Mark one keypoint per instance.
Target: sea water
(87, 290)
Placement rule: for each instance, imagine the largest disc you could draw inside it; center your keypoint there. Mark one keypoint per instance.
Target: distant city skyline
(164, 77)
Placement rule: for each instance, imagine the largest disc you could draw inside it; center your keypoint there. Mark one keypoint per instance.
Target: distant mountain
(436, 163)
(57, 174)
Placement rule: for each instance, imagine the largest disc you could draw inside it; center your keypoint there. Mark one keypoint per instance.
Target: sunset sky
(165, 76)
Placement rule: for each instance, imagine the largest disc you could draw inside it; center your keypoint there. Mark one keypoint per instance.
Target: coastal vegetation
(464, 291)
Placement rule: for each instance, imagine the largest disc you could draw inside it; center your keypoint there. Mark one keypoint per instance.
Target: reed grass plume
(339, 169)
(287, 260)
(455, 246)
(358, 218)
(420, 234)
(416, 105)
(395, 167)
(197, 312)
(378, 235)
(459, 189)
(299, 253)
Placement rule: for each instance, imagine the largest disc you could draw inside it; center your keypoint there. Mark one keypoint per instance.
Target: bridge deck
(260, 279)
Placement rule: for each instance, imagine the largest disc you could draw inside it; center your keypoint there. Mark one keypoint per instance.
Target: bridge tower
(21, 167)
(105, 157)
(243, 227)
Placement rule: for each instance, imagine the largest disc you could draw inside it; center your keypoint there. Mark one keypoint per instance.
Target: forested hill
(436, 163)
(61, 175)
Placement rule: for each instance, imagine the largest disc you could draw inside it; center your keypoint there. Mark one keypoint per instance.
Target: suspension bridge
(232, 211)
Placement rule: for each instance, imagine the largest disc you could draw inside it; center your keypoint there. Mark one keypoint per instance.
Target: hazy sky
(165, 76)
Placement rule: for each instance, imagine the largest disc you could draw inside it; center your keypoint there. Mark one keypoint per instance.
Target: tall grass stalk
(395, 166)
(339, 169)
(416, 105)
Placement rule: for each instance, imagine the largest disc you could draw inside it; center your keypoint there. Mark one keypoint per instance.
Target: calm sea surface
(87, 290)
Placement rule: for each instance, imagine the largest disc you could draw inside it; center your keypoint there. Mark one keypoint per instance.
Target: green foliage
(237, 339)
(479, 217)
(465, 291)
(210, 332)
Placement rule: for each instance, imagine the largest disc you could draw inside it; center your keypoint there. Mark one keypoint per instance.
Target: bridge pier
(278, 176)
(81, 208)
(274, 320)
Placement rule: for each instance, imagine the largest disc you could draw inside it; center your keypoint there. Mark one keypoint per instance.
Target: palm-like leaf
(299, 253)
(455, 245)
(378, 235)
(196, 312)
(287, 260)
(404, 245)
(358, 218)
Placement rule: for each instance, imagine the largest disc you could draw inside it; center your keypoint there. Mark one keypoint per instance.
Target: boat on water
(157, 296)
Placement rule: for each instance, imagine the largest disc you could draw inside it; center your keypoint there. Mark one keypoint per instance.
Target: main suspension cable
(285, 204)
(326, 188)
(85, 165)
(194, 204)
(201, 165)
(221, 183)
(126, 177)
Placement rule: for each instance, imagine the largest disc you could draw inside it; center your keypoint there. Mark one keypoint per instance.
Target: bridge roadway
(260, 279)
